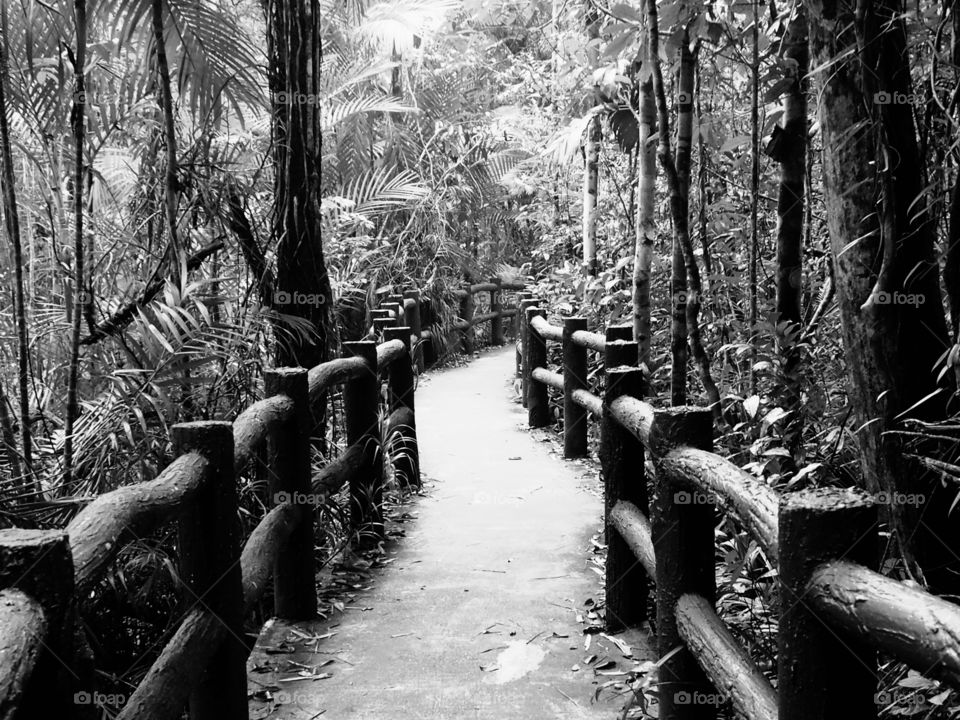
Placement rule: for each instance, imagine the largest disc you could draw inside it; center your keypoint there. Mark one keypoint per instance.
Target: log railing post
(406, 463)
(466, 314)
(622, 470)
(379, 313)
(524, 369)
(683, 533)
(411, 308)
(535, 355)
(428, 320)
(396, 311)
(496, 306)
(574, 378)
(209, 548)
(821, 676)
(381, 324)
(39, 564)
(619, 332)
(294, 583)
(361, 397)
(620, 350)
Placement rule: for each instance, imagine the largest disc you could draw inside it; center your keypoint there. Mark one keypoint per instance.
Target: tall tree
(591, 165)
(646, 225)
(302, 289)
(792, 154)
(12, 217)
(81, 300)
(754, 247)
(687, 296)
(885, 270)
(171, 193)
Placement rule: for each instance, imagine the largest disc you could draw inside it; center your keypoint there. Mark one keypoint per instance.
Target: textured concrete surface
(482, 612)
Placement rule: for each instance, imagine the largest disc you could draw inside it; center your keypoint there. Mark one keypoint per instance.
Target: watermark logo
(92, 97)
(298, 498)
(282, 297)
(899, 298)
(295, 98)
(683, 697)
(285, 697)
(895, 98)
(899, 498)
(901, 697)
(99, 699)
(485, 498)
(684, 497)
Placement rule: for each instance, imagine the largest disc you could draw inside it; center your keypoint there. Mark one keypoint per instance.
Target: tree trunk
(302, 283)
(885, 269)
(951, 266)
(646, 226)
(790, 211)
(12, 217)
(677, 172)
(171, 187)
(79, 276)
(590, 180)
(591, 168)
(678, 324)
(754, 248)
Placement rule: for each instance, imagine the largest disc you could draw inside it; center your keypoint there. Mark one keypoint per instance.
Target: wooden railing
(45, 574)
(468, 320)
(836, 612)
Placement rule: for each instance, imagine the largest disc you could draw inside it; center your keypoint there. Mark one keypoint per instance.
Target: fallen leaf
(621, 645)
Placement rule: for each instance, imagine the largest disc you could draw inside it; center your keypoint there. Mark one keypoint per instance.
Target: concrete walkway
(482, 613)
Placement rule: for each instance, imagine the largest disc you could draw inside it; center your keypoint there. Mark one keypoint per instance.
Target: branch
(256, 259)
(123, 317)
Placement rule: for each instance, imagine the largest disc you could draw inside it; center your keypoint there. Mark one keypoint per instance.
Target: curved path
(481, 613)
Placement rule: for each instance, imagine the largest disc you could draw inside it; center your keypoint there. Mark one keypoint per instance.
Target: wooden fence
(46, 574)
(836, 612)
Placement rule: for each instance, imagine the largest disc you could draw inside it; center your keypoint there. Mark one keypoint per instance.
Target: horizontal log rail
(837, 612)
(905, 622)
(223, 577)
(587, 400)
(468, 319)
(730, 668)
(548, 378)
(204, 661)
(23, 626)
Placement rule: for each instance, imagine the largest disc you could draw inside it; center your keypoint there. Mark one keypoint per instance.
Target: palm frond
(334, 114)
(382, 190)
